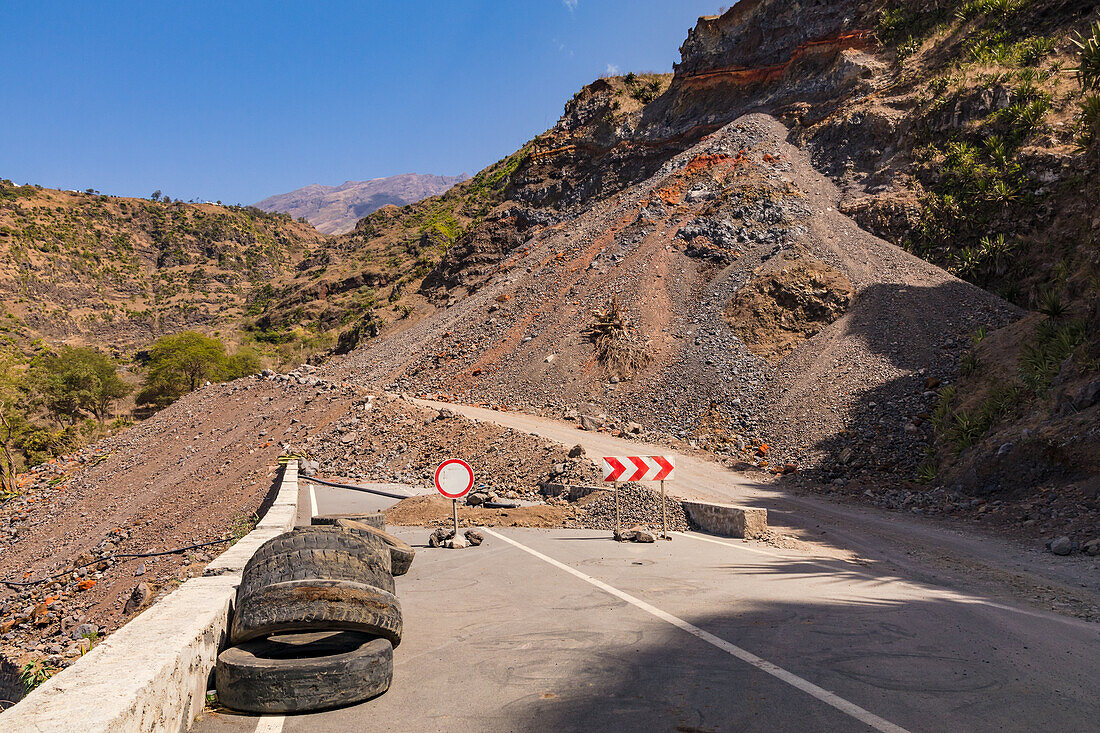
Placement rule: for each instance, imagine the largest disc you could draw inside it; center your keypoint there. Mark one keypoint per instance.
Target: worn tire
(374, 519)
(314, 605)
(401, 552)
(313, 538)
(295, 673)
(364, 565)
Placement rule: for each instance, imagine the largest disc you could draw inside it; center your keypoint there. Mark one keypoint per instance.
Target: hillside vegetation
(119, 272)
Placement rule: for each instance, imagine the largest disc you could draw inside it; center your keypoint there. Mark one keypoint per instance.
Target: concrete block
(279, 516)
(728, 520)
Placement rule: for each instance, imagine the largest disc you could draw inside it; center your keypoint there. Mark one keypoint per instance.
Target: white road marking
(312, 501)
(270, 724)
(746, 548)
(829, 698)
(931, 591)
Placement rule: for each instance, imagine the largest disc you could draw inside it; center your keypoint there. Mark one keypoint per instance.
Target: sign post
(639, 468)
(664, 519)
(454, 478)
(618, 524)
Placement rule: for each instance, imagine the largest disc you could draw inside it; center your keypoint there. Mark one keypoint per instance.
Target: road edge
(153, 673)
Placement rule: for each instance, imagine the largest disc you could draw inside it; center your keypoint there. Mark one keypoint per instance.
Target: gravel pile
(637, 505)
(851, 402)
(389, 440)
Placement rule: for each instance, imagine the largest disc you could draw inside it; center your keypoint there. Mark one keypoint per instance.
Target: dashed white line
(829, 698)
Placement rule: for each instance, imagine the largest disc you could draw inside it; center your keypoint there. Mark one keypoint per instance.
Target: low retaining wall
(152, 674)
(728, 520)
(573, 491)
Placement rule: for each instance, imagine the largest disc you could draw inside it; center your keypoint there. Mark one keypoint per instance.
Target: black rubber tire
(315, 605)
(365, 565)
(401, 552)
(374, 519)
(295, 673)
(314, 538)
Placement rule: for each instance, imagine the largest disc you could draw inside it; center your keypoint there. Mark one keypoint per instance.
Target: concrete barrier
(728, 520)
(152, 674)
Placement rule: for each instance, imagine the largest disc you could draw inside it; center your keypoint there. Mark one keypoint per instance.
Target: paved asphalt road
(557, 630)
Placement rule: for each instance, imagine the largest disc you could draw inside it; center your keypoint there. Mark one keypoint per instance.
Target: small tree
(155, 195)
(178, 364)
(78, 380)
(12, 392)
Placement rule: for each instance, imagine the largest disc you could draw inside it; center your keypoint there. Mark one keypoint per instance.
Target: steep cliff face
(764, 33)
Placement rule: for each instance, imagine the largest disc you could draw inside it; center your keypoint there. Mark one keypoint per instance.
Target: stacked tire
(316, 619)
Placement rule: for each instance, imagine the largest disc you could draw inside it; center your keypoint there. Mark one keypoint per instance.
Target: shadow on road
(921, 664)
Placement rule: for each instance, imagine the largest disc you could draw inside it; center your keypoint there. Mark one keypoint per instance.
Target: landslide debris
(948, 131)
(387, 439)
(775, 312)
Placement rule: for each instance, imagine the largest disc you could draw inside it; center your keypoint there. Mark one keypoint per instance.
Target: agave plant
(1088, 70)
(1088, 121)
(1052, 305)
(997, 254)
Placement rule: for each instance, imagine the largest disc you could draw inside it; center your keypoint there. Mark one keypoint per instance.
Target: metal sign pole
(454, 510)
(664, 521)
(618, 528)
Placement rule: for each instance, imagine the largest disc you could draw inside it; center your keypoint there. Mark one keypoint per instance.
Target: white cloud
(570, 4)
(612, 70)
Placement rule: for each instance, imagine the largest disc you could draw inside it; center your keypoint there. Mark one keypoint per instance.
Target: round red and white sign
(454, 478)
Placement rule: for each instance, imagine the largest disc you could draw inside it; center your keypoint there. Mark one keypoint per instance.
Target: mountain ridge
(336, 209)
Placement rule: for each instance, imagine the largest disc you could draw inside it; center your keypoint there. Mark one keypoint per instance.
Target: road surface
(566, 630)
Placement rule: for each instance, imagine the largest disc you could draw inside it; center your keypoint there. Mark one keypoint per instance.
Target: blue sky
(240, 99)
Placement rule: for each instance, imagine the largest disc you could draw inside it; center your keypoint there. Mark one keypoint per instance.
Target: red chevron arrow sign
(638, 468)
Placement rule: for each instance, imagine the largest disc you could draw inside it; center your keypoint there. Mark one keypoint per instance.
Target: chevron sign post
(639, 468)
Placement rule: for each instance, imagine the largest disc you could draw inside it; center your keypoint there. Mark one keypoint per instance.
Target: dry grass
(617, 346)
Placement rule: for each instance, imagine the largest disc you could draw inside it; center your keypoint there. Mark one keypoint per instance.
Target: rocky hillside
(859, 234)
(119, 272)
(336, 209)
(645, 259)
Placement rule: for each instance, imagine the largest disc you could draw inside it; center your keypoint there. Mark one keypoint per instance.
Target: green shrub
(1042, 357)
(1088, 68)
(1088, 122)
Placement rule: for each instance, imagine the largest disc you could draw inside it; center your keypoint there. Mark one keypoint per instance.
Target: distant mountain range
(335, 209)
